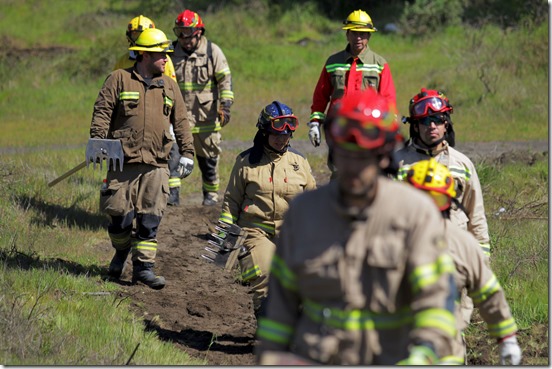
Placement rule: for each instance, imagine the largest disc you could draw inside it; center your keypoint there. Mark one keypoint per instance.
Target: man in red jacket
(353, 69)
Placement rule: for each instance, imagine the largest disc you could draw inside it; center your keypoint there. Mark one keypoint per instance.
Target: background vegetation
(490, 57)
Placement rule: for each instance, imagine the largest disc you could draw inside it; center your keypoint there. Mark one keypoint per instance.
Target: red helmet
(189, 18)
(364, 121)
(428, 102)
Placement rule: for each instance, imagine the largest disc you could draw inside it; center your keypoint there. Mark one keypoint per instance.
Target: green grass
(50, 280)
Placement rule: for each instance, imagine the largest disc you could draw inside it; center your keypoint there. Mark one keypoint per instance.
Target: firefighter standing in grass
(263, 181)
(472, 270)
(204, 78)
(361, 275)
(353, 69)
(137, 105)
(432, 136)
(127, 60)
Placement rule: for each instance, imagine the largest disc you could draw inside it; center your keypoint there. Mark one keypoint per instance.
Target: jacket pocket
(114, 200)
(167, 145)
(385, 270)
(201, 70)
(129, 103)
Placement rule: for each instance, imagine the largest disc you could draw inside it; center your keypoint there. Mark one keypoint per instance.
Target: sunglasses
(185, 32)
(280, 123)
(435, 119)
(422, 107)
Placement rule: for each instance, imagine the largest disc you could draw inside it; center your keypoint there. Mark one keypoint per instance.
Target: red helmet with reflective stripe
(189, 18)
(428, 102)
(364, 120)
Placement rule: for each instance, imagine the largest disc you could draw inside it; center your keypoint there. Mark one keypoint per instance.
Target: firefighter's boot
(174, 196)
(143, 272)
(118, 263)
(210, 198)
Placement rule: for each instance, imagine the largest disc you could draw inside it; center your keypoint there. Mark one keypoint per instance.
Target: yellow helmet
(152, 40)
(136, 26)
(359, 21)
(435, 178)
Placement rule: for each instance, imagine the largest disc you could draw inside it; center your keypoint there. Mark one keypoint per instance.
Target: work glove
(224, 115)
(185, 167)
(510, 353)
(314, 133)
(419, 355)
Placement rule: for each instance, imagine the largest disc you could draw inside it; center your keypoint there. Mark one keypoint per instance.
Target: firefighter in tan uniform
(263, 181)
(361, 275)
(127, 60)
(472, 271)
(432, 135)
(204, 78)
(137, 105)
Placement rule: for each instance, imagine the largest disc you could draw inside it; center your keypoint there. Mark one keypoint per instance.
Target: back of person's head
(434, 178)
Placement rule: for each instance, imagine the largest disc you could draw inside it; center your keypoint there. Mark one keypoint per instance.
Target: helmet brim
(358, 29)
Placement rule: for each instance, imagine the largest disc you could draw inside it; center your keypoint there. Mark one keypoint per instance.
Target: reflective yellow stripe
(146, 245)
(502, 329)
(168, 101)
(210, 187)
(227, 218)
(227, 94)
(206, 128)
(274, 331)
(451, 360)
(129, 95)
(426, 275)
(279, 270)
(190, 86)
(441, 319)
(251, 273)
(354, 320)
(486, 248)
(175, 182)
(491, 287)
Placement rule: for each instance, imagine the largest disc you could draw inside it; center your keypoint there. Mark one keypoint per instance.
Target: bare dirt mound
(201, 309)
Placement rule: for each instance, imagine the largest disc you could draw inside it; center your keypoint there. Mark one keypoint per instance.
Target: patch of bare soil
(206, 313)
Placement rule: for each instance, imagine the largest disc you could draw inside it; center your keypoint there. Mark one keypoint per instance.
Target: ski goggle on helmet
(428, 102)
(434, 178)
(364, 121)
(188, 24)
(277, 118)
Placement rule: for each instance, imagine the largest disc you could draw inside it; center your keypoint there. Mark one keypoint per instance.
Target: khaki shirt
(205, 81)
(468, 188)
(257, 196)
(360, 287)
(140, 117)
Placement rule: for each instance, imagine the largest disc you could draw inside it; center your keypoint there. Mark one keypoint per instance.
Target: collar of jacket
(428, 151)
(361, 56)
(156, 81)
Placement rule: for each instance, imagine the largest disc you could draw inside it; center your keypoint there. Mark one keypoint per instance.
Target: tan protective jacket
(358, 288)
(257, 196)
(468, 188)
(205, 81)
(140, 117)
(483, 287)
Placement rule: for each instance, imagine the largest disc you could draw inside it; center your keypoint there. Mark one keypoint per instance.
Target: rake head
(100, 149)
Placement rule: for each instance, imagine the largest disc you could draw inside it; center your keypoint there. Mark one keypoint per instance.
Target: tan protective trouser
(143, 190)
(255, 267)
(207, 145)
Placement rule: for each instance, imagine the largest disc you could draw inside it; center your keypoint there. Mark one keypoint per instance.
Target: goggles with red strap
(280, 123)
(351, 133)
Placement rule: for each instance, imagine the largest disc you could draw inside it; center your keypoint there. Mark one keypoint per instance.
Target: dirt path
(202, 309)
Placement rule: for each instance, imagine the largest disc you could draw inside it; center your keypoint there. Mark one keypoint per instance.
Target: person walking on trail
(127, 60)
(205, 80)
(472, 271)
(262, 182)
(353, 69)
(137, 106)
(361, 275)
(432, 136)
